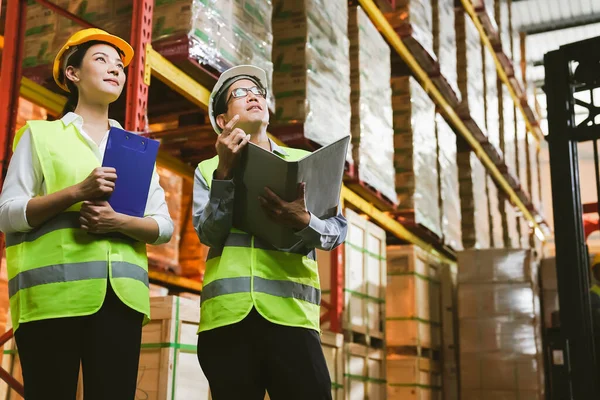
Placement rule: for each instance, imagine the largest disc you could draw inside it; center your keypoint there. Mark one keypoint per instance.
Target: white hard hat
(226, 79)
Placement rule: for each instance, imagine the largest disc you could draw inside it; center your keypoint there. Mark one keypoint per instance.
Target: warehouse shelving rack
(148, 62)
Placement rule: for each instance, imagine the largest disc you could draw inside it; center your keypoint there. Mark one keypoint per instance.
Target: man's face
(252, 108)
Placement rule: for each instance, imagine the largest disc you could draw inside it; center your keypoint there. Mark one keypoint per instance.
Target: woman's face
(101, 77)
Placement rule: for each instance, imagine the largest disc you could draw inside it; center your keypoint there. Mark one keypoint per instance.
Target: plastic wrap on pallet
(535, 172)
(522, 163)
(497, 231)
(491, 100)
(518, 375)
(486, 300)
(489, 11)
(415, 152)
(524, 232)
(513, 234)
(501, 334)
(226, 33)
(449, 186)
(496, 265)
(444, 33)
(167, 255)
(371, 95)
(419, 15)
(517, 56)
(474, 202)
(510, 144)
(504, 25)
(312, 67)
(470, 67)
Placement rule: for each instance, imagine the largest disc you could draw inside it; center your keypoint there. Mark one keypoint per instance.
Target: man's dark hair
(221, 96)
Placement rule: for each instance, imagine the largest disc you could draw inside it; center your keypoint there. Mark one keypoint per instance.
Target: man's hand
(99, 217)
(293, 214)
(229, 146)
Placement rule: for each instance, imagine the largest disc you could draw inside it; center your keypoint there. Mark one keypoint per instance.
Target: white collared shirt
(25, 180)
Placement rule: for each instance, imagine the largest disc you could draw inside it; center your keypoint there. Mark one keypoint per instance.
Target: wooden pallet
(352, 181)
(360, 335)
(415, 351)
(446, 90)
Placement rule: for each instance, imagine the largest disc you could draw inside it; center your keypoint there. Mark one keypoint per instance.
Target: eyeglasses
(243, 92)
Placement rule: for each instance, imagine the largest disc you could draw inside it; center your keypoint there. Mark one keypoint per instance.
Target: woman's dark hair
(75, 61)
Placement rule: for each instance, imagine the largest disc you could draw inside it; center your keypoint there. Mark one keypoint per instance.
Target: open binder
(322, 171)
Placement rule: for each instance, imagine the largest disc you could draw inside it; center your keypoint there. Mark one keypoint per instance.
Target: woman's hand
(99, 217)
(98, 185)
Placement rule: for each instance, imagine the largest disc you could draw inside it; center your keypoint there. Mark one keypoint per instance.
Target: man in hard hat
(259, 325)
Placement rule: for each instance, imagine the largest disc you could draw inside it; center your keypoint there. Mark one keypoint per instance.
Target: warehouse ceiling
(548, 25)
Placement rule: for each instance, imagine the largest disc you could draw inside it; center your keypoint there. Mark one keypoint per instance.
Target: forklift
(572, 80)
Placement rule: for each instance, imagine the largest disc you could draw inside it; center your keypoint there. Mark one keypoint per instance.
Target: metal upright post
(137, 90)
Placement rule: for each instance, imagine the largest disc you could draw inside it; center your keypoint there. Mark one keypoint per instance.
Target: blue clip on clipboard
(133, 157)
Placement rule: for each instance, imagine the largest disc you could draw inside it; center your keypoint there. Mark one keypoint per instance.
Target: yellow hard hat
(84, 36)
(595, 261)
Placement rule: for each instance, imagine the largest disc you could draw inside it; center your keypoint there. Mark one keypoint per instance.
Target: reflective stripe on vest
(75, 272)
(236, 239)
(276, 288)
(67, 220)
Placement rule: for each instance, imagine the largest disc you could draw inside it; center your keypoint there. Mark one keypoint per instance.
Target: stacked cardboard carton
(470, 68)
(473, 201)
(167, 255)
(312, 67)
(444, 41)
(534, 170)
(449, 188)
(512, 235)
(371, 99)
(491, 99)
(500, 343)
(522, 160)
(418, 16)
(413, 318)
(503, 19)
(517, 56)
(549, 292)
(415, 152)
(496, 229)
(221, 34)
(508, 130)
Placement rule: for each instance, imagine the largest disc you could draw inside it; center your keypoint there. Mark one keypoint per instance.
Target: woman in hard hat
(77, 270)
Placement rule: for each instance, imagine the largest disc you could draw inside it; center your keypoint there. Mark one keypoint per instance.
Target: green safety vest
(247, 272)
(59, 270)
(596, 289)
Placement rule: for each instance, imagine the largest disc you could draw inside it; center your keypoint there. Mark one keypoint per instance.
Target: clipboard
(133, 157)
(322, 170)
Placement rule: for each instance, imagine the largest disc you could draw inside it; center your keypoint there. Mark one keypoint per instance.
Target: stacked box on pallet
(491, 100)
(498, 314)
(512, 236)
(522, 160)
(413, 378)
(473, 201)
(534, 170)
(221, 33)
(444, 41)
(496, 228)
(449, 319)
(525, 232)
(549, 286)
(415, 19)
(365, 372)
(470, 68)
(503, 19)
(415, 153)
(449, 188)
(412, 302)
(312, 67)
(508, 130)
(166, 256)
(365, 279)
(371, 96)
(517, 57)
